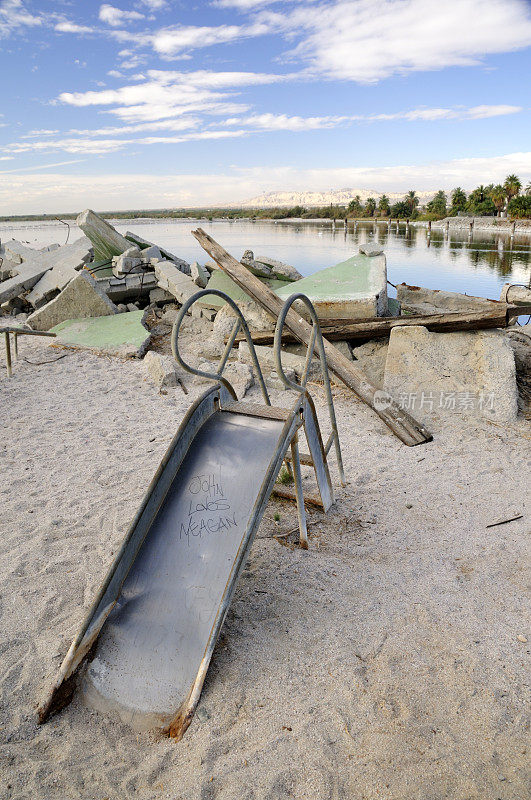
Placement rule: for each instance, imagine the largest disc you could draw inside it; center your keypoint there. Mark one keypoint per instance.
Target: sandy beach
(387, 662)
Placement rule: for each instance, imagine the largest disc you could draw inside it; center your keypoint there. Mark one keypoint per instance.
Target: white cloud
(37, 133)
(115, 16)
(13, 16)
(362, 41)
(46, 193)
(174, 41)
(439, 114)
(72, 27)
(170, 94)
(155, 5)
(93, 145)
(41, 166)
(284, 122)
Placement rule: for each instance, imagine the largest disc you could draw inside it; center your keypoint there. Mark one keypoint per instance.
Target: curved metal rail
(240, 323)
(316, 340)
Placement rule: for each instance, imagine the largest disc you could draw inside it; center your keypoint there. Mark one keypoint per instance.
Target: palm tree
(370, 206)
(498, 195)
(512, 186)
(528, 189)
(383, 205)
(412, 200)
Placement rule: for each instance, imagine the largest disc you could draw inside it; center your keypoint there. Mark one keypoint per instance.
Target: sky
(167, 103)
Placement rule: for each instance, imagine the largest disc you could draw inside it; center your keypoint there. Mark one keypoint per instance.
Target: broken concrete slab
(355, 288)
(253, 266)
(254, 315)
(183, 266)
(222, 282)
(66, 261)
(266, 359)
(469, 373)
(121, 335)
(371, 250)
(80, 298)
(200, 275)
(31, 271)
(420, 300)
(159, 295)
(174, 281)
(239, 375)
(129, 287)
(272, 379)
(106, 239)
(161, 370)
(371, 357)
(279, 269)
(18, 252)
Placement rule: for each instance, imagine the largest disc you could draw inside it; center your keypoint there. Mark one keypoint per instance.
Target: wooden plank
(288, 494)
(397, 419)
(257, 410)
(380, 327)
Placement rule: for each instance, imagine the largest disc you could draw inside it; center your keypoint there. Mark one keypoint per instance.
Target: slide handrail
(316, 341)
(240, 322)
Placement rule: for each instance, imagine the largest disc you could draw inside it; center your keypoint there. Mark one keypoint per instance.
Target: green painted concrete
(220, 280)
(115, 333)
(349, 280)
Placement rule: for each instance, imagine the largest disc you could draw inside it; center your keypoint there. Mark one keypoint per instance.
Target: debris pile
(427, 352)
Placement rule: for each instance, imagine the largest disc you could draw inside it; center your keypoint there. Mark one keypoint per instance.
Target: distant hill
(340, 197)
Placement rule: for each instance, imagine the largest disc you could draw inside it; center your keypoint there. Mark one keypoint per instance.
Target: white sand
(381, 664)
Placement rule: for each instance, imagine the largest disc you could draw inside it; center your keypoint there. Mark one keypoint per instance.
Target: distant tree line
(484, 201)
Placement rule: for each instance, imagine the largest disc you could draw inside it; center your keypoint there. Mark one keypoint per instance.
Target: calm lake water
(479, 265)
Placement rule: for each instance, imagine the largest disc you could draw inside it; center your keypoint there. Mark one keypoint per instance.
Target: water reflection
(477, 263)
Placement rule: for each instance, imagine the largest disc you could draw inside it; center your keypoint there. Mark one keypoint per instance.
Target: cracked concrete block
(371, 357)
(65, 262)
(267, 363)
(253, 266)
(81, 298)
(144, 244)
(371, 250)
(161, 370)
(239, 375)
(280, 269)
(159, 295)
(353, 289)
(470, 373)
(30, 271)
(200, 275)
(106, 239)
(174, 281)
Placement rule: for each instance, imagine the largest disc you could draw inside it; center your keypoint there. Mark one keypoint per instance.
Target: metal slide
(147, 641)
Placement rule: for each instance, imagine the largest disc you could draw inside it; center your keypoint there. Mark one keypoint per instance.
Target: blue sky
(158, 103)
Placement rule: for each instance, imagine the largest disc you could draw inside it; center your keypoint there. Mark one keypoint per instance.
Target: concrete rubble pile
(120, 293)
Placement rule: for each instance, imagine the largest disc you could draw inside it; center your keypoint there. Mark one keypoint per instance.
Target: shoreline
(507, 227)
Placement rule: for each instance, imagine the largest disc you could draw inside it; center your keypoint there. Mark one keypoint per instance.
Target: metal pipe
(324, 368)
(15, 342)
(241, 321)
(228, 346)
(301, 511)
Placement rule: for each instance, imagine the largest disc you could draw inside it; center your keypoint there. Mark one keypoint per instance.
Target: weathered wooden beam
(397, 419)
(379, 327)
